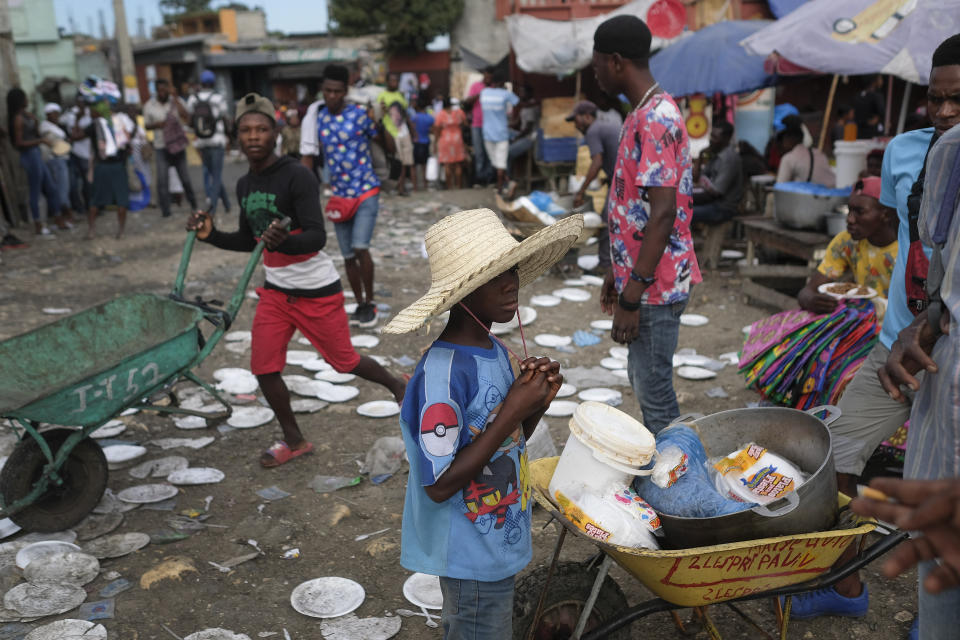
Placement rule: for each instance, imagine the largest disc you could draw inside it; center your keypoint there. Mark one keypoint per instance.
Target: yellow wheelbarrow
(680, 578)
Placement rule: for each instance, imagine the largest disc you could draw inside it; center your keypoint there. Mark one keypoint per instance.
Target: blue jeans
(59, 168)
(518, 148)
(356, 232)
(712, 213)
(939, 614)
(474, 610)
(482, 169)
(39, 179)
(650, 363)
(212, 159)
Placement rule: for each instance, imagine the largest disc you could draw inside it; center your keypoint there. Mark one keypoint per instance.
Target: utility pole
(127, 70)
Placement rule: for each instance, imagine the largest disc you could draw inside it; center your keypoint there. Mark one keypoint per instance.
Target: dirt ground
(254, 597)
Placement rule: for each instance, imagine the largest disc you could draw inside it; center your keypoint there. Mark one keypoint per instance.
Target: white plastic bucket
(851, 160)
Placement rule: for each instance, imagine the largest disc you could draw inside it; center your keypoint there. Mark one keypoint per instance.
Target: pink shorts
(323, 321)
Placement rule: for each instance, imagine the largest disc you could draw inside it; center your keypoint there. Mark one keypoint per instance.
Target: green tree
(408, 24)
(180, 7)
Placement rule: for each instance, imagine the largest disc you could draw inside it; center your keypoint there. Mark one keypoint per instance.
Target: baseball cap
(625, 34)
(51, 107)
(868, 187)
(584, 107)
(255, 103)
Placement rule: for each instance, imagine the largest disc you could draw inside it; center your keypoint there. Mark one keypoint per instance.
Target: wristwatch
(636, 277)
(626, 305)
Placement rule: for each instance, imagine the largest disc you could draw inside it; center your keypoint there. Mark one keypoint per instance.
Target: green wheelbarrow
(82, 371)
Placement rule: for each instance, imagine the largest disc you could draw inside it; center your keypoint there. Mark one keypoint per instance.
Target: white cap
(50, 107)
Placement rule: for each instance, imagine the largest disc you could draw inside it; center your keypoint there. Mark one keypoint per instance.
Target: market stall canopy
(857, 37)
(562, 47)
(780, 8)
(711, 60)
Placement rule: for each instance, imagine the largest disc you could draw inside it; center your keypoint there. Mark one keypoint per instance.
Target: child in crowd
(465, 419)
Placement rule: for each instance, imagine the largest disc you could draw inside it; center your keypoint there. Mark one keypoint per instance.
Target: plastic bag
(754, 474)
(433, 169)
(670, 466)
(617, 516)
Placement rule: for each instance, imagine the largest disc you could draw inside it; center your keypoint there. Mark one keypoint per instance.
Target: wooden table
(768, 233)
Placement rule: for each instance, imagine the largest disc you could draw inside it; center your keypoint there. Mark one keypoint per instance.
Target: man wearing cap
(602, 139)
(649, 211)
(210, 121)
(302, 289)
(164, 114)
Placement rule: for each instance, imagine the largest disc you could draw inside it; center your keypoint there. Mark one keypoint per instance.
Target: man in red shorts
(302, 289)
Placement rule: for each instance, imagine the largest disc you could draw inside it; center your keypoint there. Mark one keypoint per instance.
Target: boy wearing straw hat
(465, 419)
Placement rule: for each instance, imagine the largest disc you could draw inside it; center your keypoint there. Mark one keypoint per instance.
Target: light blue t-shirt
(483, 531)
(902, 162)
(494, 101)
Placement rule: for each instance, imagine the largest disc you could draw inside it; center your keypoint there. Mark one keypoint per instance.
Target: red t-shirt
(654, 152)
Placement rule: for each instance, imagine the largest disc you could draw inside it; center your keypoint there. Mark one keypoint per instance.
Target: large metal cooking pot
(803, 210)
(798, 436)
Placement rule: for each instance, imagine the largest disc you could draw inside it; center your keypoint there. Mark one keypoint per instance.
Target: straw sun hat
(470, 248)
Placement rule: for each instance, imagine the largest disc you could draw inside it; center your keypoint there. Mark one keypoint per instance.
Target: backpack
(204, 121)
(915, 275)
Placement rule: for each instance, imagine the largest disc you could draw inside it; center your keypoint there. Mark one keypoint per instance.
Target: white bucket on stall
(851, 160)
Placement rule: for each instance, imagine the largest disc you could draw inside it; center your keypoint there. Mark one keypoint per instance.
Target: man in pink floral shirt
(649, 209)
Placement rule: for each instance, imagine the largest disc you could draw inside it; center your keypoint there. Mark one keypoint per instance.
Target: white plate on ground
(692, 360)
(239, 385)
(116, 545)
(364, 341)
(621, 353)
(572, 294)
(69, 567)
(335, 377)
(307, 405)
(238, 336)
(693, 319)
(147, 493)
(8, 527)
(69, 628)
(613, 363)
(96, 525)
(67, 535)
(552, 340)
(159, 467)
(592, 281)
(825, 288)
(297, 357)
(423, 590)
(588, 262)
(308, 387)
(730, 357)
(337, 392)
(230, 372)
(31, 552)
(574, 282)
(216, 633)
(527, 316)
(110, 429)
(545, 301)
(190, 422)
(317, 364)
(119, 453)
(566, 390)
(695, 373)
(328, 597)
(611, 397)
(44, 599)
(174, 443)
(250, 417)
(621, 373)
(195, 475)
(381, 360)
(561, 408)
(379, 409)
(129, 412)
(239, 348)
(602, 325)
(349, 627)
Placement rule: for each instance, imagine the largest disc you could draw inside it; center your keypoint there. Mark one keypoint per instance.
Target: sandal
(281, 453)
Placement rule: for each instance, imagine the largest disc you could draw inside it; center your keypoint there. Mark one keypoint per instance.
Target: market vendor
(718, 176)
(800, 163)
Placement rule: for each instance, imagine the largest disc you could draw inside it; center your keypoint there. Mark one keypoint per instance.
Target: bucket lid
(613, 433)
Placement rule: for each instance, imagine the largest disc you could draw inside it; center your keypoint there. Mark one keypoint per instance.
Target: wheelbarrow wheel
(570, 587)
(84, 475)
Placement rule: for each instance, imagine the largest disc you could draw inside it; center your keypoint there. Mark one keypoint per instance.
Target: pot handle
(833, 412)
(685, 417)
(793, 501)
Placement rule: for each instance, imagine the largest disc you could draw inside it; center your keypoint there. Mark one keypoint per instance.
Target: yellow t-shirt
(385, 99)
(871, 266)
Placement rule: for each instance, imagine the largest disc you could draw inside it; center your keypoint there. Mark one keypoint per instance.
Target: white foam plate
(119, 453)
(349, 627)
(423, 590)
(620, 353)
(350, 307)
(335, 377)
(250, 417)
(294, 378)
(64, 567)
(693, 360)
(695, 373)
(572, 294)
(364, 341)
(43, 599)
(588, 262)
(602, 325)
(190, 443)
(129, 412)
(307, 405)
(196, 475)
(239, 348)
(611, 397)
(328, 597)
(147, 493)
(527, 316)
(216, 633)
(110, 429)
(238, 336)
(337, 392)
(69, 628)
(304, 341)
(379, 409)
(36, 550)
(731, 254)
(8, 527)
(621, 373)
(574, 282)
(730, 357)
(552, 340)
(230, 372)
(95, 525)
(545, 301)
(67, 535)
(190, 422)
(693, 319)
(566, 390)
(159, 467)
(382, 360)
(317, 364)
(561, 408)
(307, 387)
(117, 545)
(239, 384)
(592, 281)
(296, 357)
(613, 363)
(825, 288)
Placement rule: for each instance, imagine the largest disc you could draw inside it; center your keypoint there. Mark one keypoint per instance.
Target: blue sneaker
(827, 602)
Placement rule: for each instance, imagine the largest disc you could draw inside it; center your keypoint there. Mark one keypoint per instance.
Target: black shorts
(421, 152)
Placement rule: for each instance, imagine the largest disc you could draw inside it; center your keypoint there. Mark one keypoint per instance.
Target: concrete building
(46, 61)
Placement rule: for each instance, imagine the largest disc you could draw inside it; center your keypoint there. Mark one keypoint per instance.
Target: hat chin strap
(523, 340)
